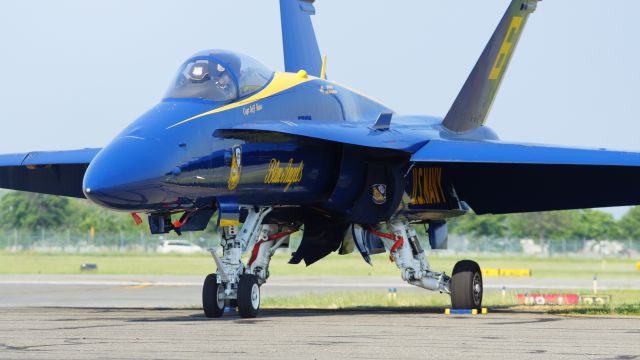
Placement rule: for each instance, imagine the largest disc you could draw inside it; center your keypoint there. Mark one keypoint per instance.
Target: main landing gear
(464, 286)
(237, 284)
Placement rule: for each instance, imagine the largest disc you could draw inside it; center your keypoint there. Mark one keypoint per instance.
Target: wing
(496, 177)
(47, 172)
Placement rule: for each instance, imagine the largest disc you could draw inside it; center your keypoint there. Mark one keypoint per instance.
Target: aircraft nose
(125, 175)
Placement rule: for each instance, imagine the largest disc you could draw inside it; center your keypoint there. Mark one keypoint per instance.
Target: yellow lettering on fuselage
(427, 187)
(289, 174)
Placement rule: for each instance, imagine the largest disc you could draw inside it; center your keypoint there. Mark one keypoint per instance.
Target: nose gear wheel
(248, 296)
(212, 291)
(237, 284)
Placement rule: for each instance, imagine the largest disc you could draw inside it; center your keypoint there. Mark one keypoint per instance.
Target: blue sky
(75, 72)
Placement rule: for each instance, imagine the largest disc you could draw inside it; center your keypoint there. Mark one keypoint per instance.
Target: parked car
(178, 246)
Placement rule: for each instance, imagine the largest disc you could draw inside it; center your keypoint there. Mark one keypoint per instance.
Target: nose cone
(131, 173)
(127, 174)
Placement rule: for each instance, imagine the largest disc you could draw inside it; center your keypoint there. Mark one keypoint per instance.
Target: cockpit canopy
(220, 76)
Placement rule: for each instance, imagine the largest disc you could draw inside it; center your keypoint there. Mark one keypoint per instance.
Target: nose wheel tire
(466, 285)
(212, 297)
(248, 296)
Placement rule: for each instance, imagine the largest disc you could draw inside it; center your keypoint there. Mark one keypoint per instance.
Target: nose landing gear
(248, 296)
(234, 283)
(213, 297)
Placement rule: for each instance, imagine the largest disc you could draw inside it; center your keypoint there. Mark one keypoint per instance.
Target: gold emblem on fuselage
(288, 174)
(236, 167)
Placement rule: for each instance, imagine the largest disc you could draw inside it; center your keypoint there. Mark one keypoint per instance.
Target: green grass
(333, 265)
(354, 300)
(357, 299)
(602, 310)
(622, 302)
(114, 264)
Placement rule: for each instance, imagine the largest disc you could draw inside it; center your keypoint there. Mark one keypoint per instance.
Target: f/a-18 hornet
(272, 153)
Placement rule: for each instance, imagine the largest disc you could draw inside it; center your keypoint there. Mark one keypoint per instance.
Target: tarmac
(111, 333)
(130, 317)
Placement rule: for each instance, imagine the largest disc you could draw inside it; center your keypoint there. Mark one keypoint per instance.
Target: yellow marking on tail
(323, 72)
(506, 48)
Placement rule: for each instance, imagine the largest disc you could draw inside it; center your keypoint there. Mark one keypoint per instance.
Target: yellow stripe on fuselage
(279, 83)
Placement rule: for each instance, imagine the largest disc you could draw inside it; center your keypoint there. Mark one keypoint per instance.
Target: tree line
(33, 212)
(586, 224)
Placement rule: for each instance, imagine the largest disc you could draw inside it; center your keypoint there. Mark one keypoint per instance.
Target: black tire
(466, 285)
(248, 296)
(213, 308)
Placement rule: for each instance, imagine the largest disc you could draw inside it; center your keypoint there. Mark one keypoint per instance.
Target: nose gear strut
(237, 283)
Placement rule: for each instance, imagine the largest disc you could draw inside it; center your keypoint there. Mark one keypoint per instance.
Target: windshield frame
(250, 94)
(235, 64)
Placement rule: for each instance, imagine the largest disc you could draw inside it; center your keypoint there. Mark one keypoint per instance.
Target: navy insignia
(236, 167)
(379, 194)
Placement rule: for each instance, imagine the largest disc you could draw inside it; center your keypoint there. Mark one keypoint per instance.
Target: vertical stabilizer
(301, 50)
(470, 109)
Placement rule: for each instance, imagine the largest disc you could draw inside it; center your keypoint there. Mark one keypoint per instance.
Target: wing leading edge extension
(494, 177)
(341, 132)
(47, 172)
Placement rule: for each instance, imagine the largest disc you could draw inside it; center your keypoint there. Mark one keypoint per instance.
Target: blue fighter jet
(272, 153)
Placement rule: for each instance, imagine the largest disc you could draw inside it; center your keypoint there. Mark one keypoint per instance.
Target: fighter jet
(271, 153)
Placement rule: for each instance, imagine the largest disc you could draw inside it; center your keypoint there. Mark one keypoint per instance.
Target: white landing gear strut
(405, 250)
(465, 286)
(237, 284)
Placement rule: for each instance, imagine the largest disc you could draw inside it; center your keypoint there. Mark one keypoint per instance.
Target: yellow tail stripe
(506, 48)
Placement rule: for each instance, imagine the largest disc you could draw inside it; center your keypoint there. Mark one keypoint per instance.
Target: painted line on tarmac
(96, 283)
